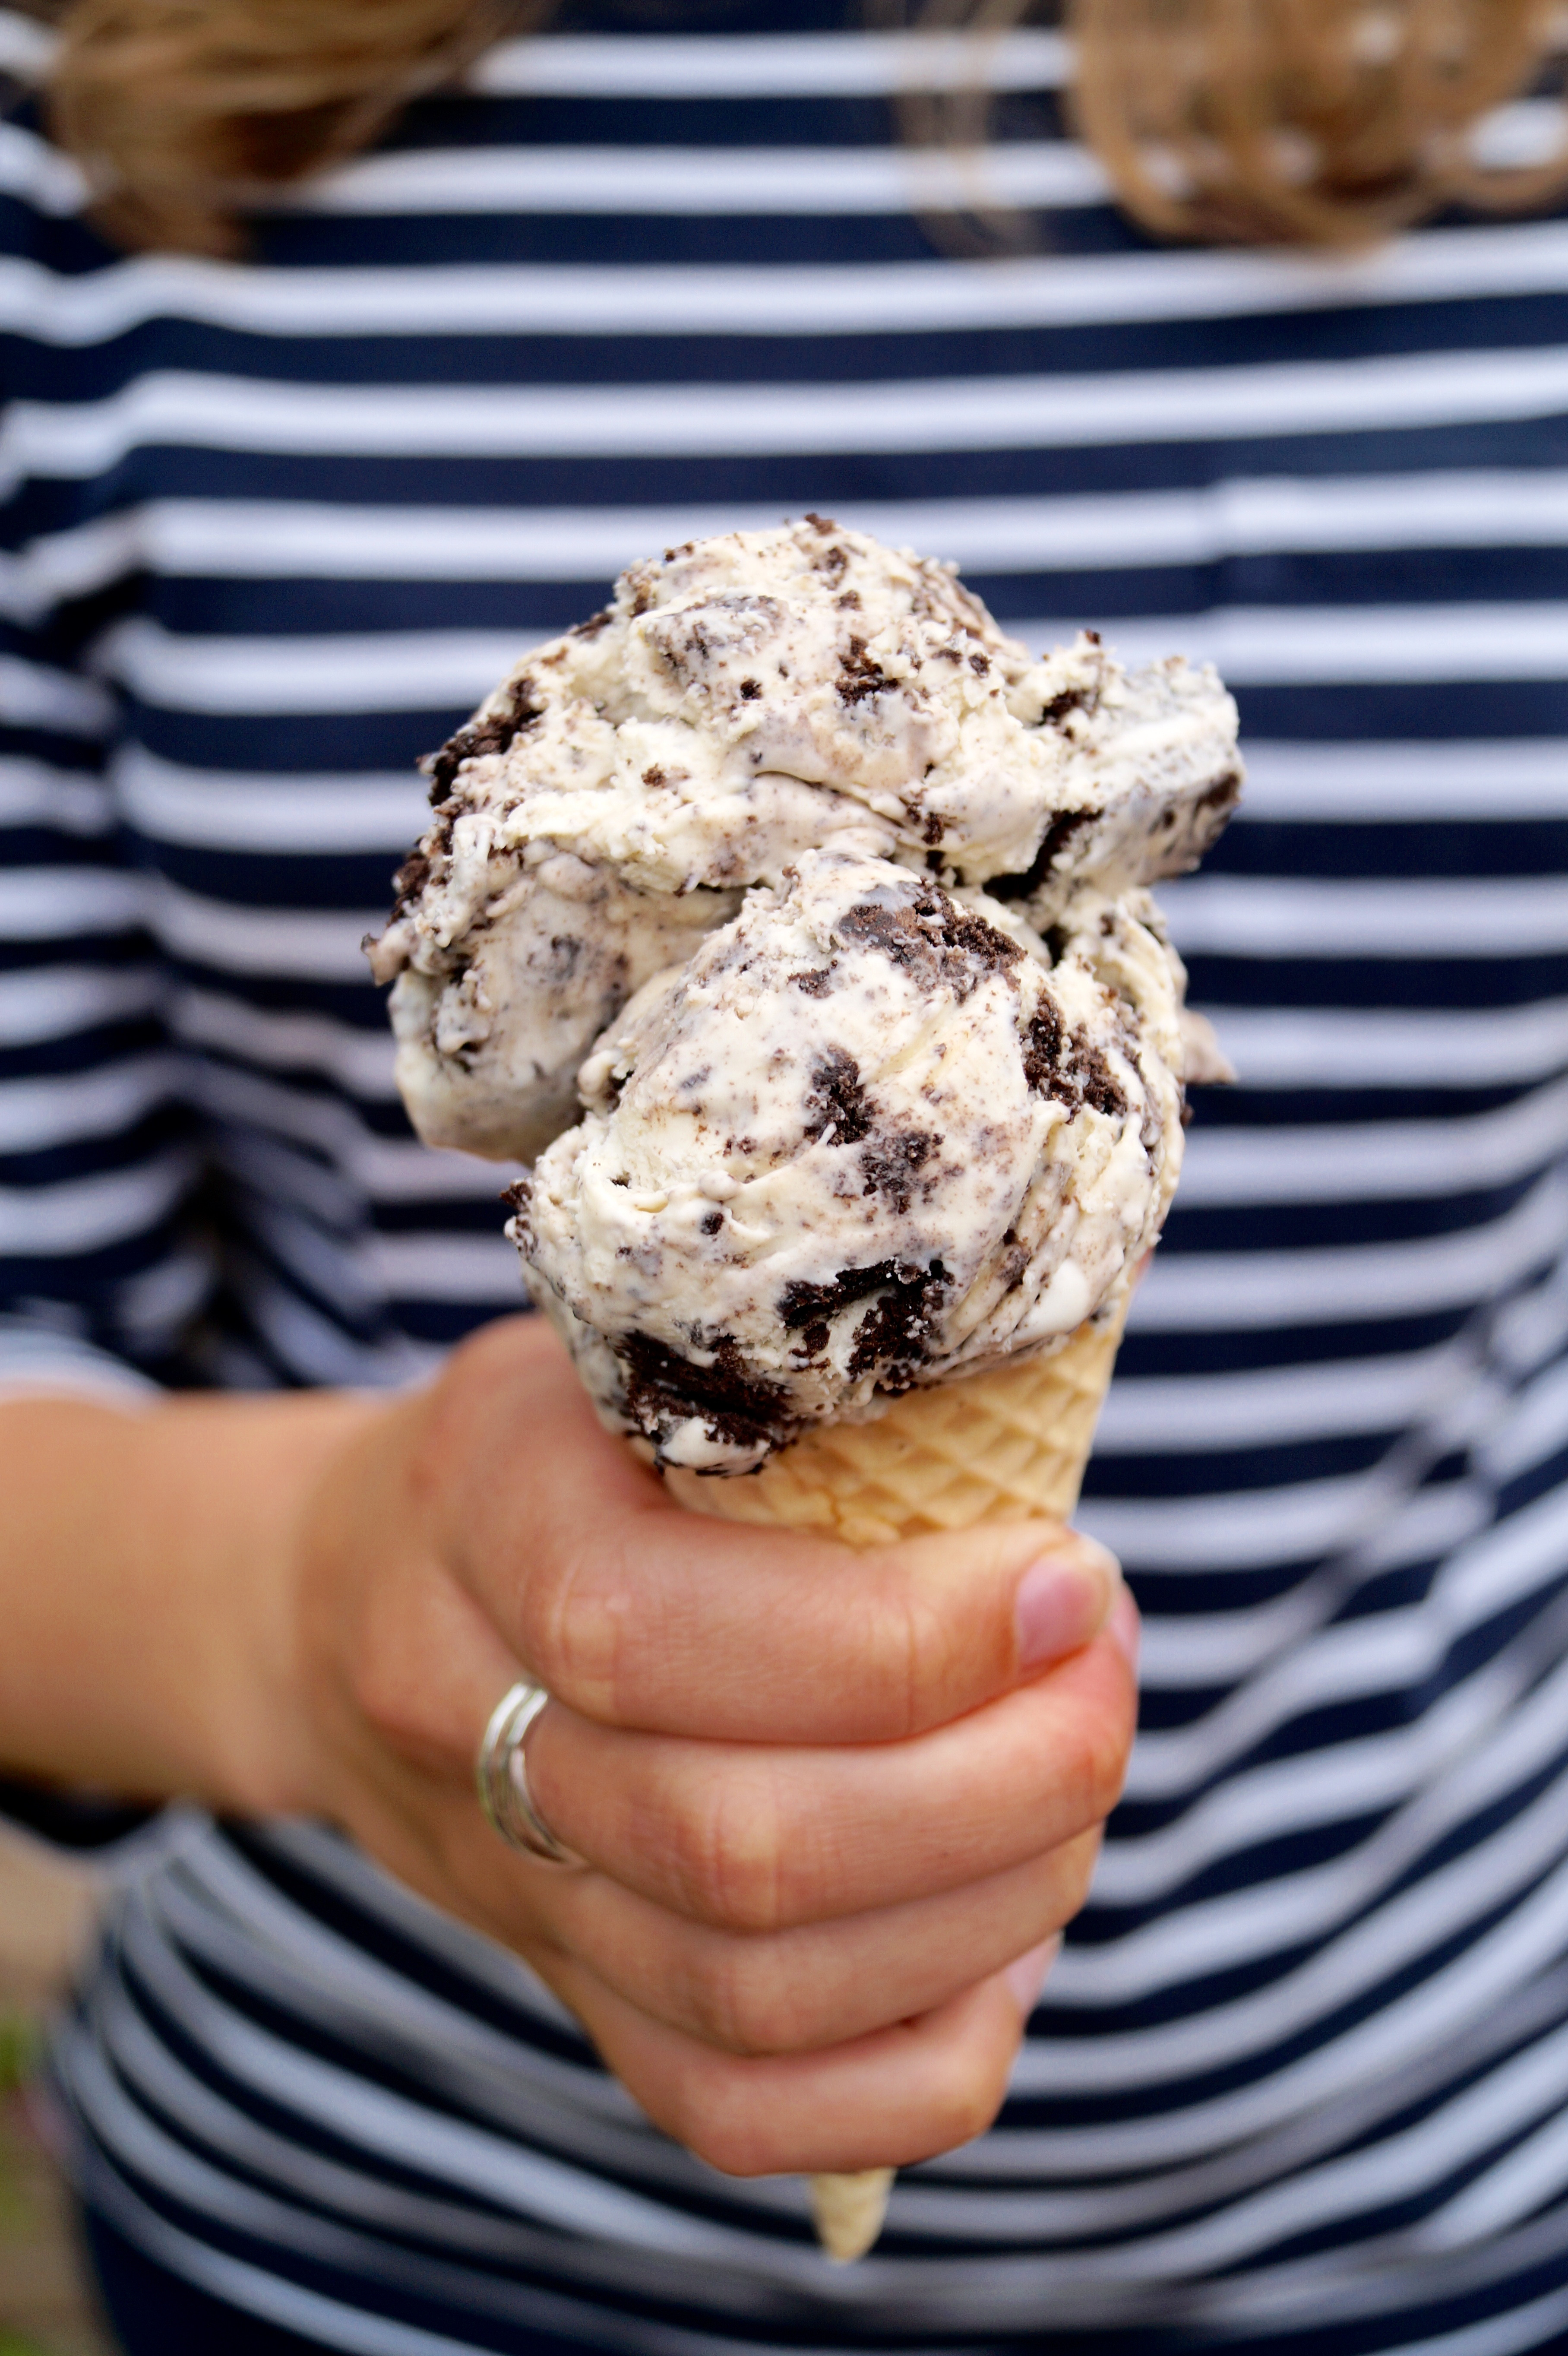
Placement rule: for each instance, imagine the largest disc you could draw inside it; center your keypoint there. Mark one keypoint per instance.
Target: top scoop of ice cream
(742, 700)
(871, 1136)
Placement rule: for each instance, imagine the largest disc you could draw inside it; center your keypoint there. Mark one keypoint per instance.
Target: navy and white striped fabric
(1297, 2083)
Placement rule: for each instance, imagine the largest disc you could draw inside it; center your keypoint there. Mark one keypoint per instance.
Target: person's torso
(1299, 2061)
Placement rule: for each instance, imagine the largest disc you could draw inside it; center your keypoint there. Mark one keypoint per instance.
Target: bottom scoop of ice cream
(872, 1135)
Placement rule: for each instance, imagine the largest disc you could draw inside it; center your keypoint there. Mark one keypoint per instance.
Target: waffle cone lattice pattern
(993, 1448)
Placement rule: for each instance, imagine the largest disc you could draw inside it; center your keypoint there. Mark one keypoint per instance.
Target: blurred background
(45, 1911)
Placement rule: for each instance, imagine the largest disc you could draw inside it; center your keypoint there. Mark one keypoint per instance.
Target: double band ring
(501, 1772)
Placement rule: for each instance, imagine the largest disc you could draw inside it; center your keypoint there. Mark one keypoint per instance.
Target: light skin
(834, 1809)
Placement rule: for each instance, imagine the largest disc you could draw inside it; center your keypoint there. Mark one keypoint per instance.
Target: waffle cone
(848, 2211)
(999, 1447)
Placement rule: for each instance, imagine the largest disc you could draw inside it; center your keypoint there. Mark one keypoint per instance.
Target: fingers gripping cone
(998, 1447)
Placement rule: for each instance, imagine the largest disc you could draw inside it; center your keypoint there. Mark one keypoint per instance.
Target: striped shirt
(1297, 2081)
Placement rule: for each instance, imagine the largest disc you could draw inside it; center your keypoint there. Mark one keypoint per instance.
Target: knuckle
(574, 1615)
(717, 2001)
(387, 1687)
(727, 1854)
(379, 1695)
(741, 2002)
(918, 1642)
(977, 2107)
(1097, 1764)
(967, 2097)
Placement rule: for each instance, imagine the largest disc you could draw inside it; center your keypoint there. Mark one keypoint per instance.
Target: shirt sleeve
(95, 1159)
(99, 1167)
(100, 1273)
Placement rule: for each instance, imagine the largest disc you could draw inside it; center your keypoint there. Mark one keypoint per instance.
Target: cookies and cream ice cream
(866, 1138)
(793, 922)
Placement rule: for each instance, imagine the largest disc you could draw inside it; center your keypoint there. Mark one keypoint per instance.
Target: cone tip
(849, 2211)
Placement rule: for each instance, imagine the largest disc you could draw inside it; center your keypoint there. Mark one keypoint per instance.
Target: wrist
(245, 1527)
(148, 1592)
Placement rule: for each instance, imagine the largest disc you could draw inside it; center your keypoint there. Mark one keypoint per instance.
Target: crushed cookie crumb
(860, 674)
(496, 732)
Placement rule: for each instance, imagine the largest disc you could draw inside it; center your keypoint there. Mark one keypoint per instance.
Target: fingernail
(1027, 1976)
(1058, 1606)
(1126, 1629)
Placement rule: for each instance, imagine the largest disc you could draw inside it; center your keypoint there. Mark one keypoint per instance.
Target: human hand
(825, 1800)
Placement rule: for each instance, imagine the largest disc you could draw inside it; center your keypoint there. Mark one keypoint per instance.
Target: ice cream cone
(848, 2211)
(997, 1447)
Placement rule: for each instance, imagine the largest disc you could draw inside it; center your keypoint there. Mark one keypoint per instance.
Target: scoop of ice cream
(1147, 773)
(743, 700)
(872, 1134)
(490, 1035)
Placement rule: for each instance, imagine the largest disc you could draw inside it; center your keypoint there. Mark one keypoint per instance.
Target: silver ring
(502, 1774)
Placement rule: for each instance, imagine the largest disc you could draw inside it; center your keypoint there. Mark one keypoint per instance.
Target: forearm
(146, 1602)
